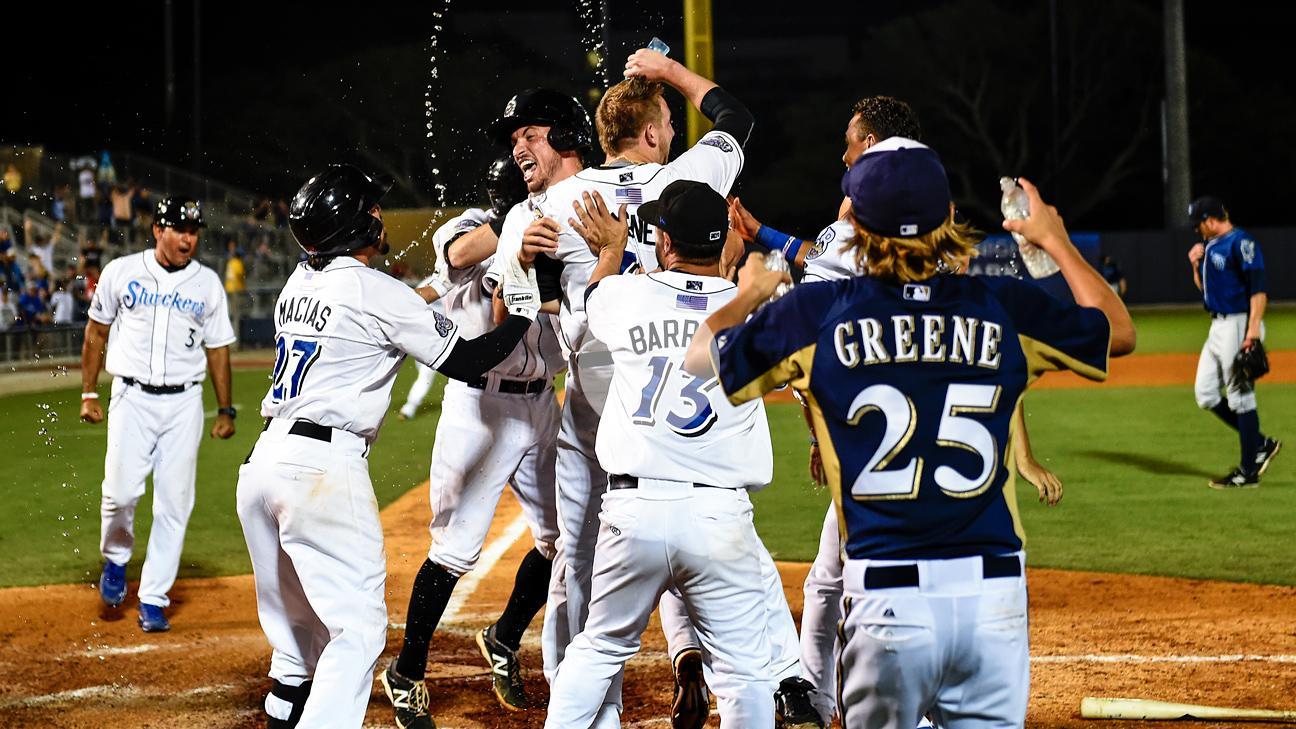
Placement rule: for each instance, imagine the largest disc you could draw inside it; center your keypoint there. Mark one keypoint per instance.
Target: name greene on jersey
(957, 339)
(303, 310)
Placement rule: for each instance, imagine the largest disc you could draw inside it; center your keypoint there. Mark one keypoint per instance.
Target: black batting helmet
(172, 212)
(568, 122)
(504, 184)
(330, 215)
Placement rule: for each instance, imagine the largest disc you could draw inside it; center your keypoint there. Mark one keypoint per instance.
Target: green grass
(1183, 329)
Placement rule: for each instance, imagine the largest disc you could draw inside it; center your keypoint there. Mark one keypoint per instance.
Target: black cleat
(1238, 479)
(409, 699)
(691, 704)
(506, 671)
(1266, 454)
(792, 706)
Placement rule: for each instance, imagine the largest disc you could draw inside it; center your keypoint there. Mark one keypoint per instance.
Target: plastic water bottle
(656, 44)
(774, 261)
(1016, 206)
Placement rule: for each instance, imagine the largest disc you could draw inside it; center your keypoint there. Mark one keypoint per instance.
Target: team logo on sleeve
(1247, 248)
(443, 324)
(821, 243)
(718, 142)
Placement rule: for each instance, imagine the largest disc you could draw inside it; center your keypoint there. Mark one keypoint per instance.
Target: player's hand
(1196, 254)
(744, 224)
(757, 281)
(648, 65)
(91, 412)
(540, 237)
(731, 254)
(223, 428)
(1044, 481)
(1044, 226)
(601, 230)
(817, 472)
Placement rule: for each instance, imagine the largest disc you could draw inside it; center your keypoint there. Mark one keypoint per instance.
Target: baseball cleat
(151, 619)
(792, 706)
(409, 698)
(691, 704)
(1238, 479)
(506, 671)
(112, 584)
(1266, 454)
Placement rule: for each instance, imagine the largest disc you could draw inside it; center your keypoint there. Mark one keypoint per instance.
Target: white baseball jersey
(163, 322)
(829, 260)
(538, 355)
(660, 421)
(341, 335)
(716, 160)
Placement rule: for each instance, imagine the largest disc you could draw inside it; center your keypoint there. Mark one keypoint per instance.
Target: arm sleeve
(1054, 334)
(549, 277)
(103, 306)
(772, 348)
(728, 115)
(510, 242)
(411, 325)
(471, 358)
(217, 330)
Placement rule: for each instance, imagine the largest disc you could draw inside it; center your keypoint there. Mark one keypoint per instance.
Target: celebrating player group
(644, 280)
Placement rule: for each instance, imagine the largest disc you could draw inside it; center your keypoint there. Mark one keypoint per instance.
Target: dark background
(287, 87)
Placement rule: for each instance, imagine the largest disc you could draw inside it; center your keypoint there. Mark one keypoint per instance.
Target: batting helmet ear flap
(566, 139)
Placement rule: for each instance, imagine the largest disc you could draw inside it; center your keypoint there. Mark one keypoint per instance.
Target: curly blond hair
(904, 260)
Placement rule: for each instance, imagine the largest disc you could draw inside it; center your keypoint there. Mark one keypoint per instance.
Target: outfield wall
(1155, 263)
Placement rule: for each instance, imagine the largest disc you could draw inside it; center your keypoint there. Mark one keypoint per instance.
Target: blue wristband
(788, 245)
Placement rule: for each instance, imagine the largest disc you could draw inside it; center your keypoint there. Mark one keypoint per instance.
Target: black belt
(512, 387)
(156, 389)
(1219, 315)
(619, 481)
(906, 575)
(307, 429)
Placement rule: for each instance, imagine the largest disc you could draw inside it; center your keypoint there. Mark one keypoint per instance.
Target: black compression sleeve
(472, 358)
(728, 114)
(549, 277)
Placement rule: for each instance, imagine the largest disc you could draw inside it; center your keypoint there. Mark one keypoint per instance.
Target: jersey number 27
(291, 354)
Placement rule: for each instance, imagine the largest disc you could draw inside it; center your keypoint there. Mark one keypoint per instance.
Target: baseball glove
(1250, 364)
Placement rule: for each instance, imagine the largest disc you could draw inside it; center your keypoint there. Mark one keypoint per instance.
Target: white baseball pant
(820, 616)
(484, 440)
(311, 523)
(156, 434)
(955, 646)
(419, 390)
(701, 542)
(1215, 366)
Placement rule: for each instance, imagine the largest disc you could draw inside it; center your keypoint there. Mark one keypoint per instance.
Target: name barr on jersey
(665, 334)
(139, 294)
(957, 339)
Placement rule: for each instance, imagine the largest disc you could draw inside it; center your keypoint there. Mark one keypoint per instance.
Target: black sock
(530, 591)
(431, 593)
(1249, 435)
(1222, 412)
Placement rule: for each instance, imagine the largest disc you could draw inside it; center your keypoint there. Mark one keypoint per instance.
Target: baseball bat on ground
(1103, 708)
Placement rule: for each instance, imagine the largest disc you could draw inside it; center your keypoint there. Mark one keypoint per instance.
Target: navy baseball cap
(1206, 206)
(173, 212)
(691, 212)
(898, 188)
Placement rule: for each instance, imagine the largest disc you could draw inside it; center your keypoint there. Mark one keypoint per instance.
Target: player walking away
(676, 514)
(1229, 269)
(497, 429)
(912, 376)
(305, 500)
(635, 133)
(164, 321)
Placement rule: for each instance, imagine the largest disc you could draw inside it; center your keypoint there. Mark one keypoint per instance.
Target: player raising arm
(305, 500)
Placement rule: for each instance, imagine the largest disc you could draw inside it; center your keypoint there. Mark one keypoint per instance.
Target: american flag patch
(690, 303)
(629, 195)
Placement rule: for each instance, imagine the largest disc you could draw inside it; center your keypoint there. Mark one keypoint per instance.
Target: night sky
(287, 87)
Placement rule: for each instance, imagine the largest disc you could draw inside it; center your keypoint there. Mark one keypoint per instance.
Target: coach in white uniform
(676, 513)
(164, 319)
(305, 500)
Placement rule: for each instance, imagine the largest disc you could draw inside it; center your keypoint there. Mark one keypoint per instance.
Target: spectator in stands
(42, 248)
(62, 304)
(58, 203)
(107, 174)
(1111, 273)
(104, 209)
(14, 278)
(86, 192)
(235, 282)
(37, 274)
(32, 309)
(281, 213)
(6, 238)
(8, 311)
(13, 180)
(143, 204)
(121, 212)
(92, 255)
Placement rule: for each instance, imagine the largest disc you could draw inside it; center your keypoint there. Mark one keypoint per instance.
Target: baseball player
(305, 500)
(635, 132)
(499, 428)
(1229, 270)
(912, 375)
(163, 317)
(676, 514)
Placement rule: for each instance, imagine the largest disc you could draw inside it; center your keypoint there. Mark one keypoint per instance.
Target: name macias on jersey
(937, 338)
(306, 310)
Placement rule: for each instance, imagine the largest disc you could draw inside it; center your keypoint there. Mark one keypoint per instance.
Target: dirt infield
(66, 663)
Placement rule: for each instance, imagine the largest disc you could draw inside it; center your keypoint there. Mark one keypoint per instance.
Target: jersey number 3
(879, 481)
(297, 355)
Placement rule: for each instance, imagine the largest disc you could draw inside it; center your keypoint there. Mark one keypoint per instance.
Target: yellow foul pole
(698, 56)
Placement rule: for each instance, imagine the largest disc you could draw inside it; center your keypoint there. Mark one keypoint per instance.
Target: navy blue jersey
(1231, 272)
(912, 390)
